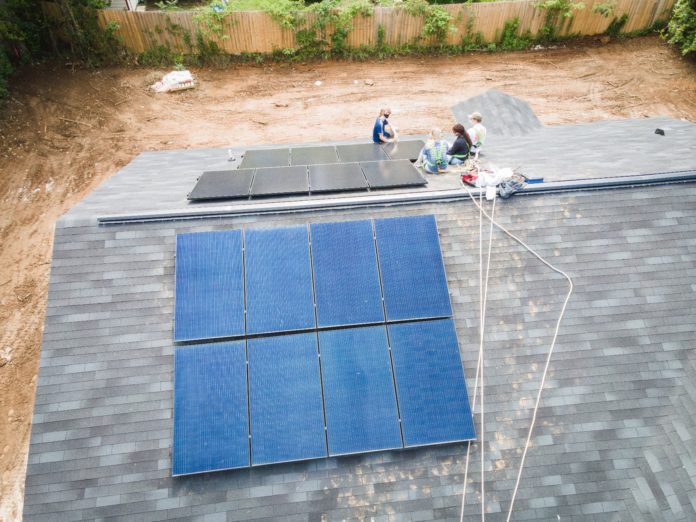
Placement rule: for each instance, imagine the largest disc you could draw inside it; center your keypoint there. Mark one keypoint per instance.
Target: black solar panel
(361, 152)
(313, 155)
(404, 149)
(280, 180)
(265, 158)
(336, 178)
(223, 184)
(395, 173)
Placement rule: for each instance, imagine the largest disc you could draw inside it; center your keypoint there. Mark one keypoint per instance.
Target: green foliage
(438, 24)
(511, 40)
(616, 25)
(471, 41)
(168, 5)
(606, 9)
(381, 37)
(558, 14)
(681, 29)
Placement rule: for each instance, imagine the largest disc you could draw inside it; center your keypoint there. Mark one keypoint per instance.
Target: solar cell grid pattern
(254, 159)
(413, 273)
(346, 278)
(287, 416)
(279, 294)
(210, 408)
(395, 173)
(360, 402)
(430, 383)
(367, 383)
(336, 177)
(280, 181)
(223, 184)
(313, 155)
(209, 286)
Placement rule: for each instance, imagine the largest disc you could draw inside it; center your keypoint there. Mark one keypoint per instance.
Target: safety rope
(548, 358)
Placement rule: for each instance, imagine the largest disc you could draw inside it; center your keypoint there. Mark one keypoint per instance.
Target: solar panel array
(334, 339)
(274, 172)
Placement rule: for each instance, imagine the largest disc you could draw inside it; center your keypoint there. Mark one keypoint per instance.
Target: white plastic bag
(175, 81)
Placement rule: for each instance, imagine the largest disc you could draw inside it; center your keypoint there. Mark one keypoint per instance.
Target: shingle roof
(614, 437)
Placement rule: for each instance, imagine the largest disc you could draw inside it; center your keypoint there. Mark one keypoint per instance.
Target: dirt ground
(65, 131)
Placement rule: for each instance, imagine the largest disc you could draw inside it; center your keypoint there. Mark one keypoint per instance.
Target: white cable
(483, 298)
(548, 357)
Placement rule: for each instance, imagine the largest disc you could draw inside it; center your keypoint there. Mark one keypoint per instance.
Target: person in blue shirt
(383, 132)
(433, 157)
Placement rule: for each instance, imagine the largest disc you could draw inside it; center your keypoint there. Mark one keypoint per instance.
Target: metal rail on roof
(402, 198)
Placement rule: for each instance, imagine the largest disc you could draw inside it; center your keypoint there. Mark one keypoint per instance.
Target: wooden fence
(257, 32)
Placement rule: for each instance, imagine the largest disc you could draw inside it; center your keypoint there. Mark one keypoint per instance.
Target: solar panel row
(351, 273)
(376, 388)
(342, 373)
(289, 180)
(405, 149)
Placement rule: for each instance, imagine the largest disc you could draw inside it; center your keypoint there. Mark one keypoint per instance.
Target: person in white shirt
(477, 132)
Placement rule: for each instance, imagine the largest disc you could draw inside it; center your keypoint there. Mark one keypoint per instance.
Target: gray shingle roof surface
(614, 437)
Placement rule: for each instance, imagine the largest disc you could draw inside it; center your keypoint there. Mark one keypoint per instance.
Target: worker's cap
(476, 116)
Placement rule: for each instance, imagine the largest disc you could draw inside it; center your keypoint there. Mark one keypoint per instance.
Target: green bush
(681, 29)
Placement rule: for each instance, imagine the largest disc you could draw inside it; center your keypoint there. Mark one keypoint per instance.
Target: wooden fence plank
(257, 32)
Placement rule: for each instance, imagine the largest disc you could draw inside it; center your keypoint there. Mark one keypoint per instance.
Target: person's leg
(455, 161)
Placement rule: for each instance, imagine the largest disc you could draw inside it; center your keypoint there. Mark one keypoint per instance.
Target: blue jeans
(455, 161)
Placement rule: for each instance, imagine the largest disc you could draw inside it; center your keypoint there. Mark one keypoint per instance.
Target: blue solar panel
(346, 279)
(287, 416)
(361, 412)
(209, 285)
(279, 294)
(210, 408)
(430, 383)
(413, 274)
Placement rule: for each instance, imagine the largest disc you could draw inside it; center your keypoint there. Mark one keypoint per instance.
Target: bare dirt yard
(64, 131)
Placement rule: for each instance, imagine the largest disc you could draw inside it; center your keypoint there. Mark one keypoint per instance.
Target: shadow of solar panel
(336, 178)
(279, 293)
(209, 286)
(413, 273)
(287, 415)
(313, 155)
(210, 408)
(360, 152)
(409, 150)
(430, 383)
(361, 412)
(395, 173)
(346, 279)
(254, 159)
(223, 184)
(280, 180)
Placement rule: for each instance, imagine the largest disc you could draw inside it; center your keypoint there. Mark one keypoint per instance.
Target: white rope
(548, 357)
(483, 297)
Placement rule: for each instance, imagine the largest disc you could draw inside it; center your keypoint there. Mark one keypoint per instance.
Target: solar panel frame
(392, 174)
(359, 152)
(285, 399)
(336, 177)
(223, 184)
(346, 276)
(278, 280)
(431, 388)
(313, 155)
(209, 286)
(414, 282)
(262, 158)
(276, 181)
(409, 149)
(359, 393)
(210, 425)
